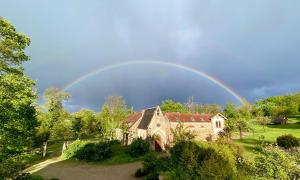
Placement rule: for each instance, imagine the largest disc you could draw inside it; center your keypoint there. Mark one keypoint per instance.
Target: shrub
(203, 161)
(139, 147)
(287, 141)
(151, 166)
(274, 163)
(94, 152)
(74, 148)
(152, 176)
(11, 167)
(139, 173)
(184, 160)
(28, 176)
(89, 151)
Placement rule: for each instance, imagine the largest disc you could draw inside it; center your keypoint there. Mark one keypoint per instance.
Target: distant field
(270, 133)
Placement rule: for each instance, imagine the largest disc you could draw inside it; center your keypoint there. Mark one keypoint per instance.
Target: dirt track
(69, 170)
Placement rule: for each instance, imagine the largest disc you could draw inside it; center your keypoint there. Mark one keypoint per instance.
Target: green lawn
(270, 133)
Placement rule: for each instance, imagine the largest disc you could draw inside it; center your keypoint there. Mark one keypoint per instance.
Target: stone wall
(201, 130)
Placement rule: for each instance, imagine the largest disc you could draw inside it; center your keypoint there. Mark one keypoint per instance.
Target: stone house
(153, 122)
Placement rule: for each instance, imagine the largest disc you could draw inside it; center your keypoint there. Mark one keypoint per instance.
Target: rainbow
(180, 66)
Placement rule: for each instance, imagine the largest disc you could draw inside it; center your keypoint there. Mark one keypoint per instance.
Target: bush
(287, 141)
(89, 151)
(151, 166)
(152, 176)
(203, 161)
(274, 163)
(11, 167)
(139, 147)
(28, 176)
(139, 173)
(74, 148)
(94, 152)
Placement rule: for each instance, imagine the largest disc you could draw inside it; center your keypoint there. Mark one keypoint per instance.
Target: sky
(251, 46)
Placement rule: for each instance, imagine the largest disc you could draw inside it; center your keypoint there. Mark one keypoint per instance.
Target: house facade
(153, 122)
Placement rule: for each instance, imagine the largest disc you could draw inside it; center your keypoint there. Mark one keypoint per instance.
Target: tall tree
(17, 97)
(112, 115)
(84, 123)
(238, 118)
(230, 111)
(54, 98)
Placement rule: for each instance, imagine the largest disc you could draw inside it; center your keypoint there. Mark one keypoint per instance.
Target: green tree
(12, 46)
(54, 122)
(17, 97)
(112, 115)
(238, 118)
(230, 111)
(84, 123)
(62, 129)
(54, 103)
(171, 106)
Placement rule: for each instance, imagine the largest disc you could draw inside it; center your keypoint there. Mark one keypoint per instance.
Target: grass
(120, 156)
(269, 134)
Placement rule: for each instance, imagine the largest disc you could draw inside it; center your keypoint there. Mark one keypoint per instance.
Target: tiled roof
(132, 118)
(184, 117)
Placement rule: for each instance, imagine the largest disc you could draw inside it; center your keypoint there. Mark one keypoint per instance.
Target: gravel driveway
(72, 170)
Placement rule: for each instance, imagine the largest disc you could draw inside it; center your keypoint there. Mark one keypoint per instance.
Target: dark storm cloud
(252, 46)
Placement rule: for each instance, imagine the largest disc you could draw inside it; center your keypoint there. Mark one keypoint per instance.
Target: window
(218, 124)
(158, 112)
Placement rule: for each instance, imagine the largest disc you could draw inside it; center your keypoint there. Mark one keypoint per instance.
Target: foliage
(263, 120)
(238, 119)
(84, 123)
(230, 111)
(280, 106)
(204, 161)
(73, 149)
(287, 141)
(171, 106)
(42, 135)
(273, 163)
(89, 151)
(152, 176)
(139, 172)
(10, 167)
(95, 152)
(139, 147)
(152, 164)
(53, 102)
(12, 45)
(180, 133)
(62, 130)
(17, 112)
(112, 115)
(28, 176)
